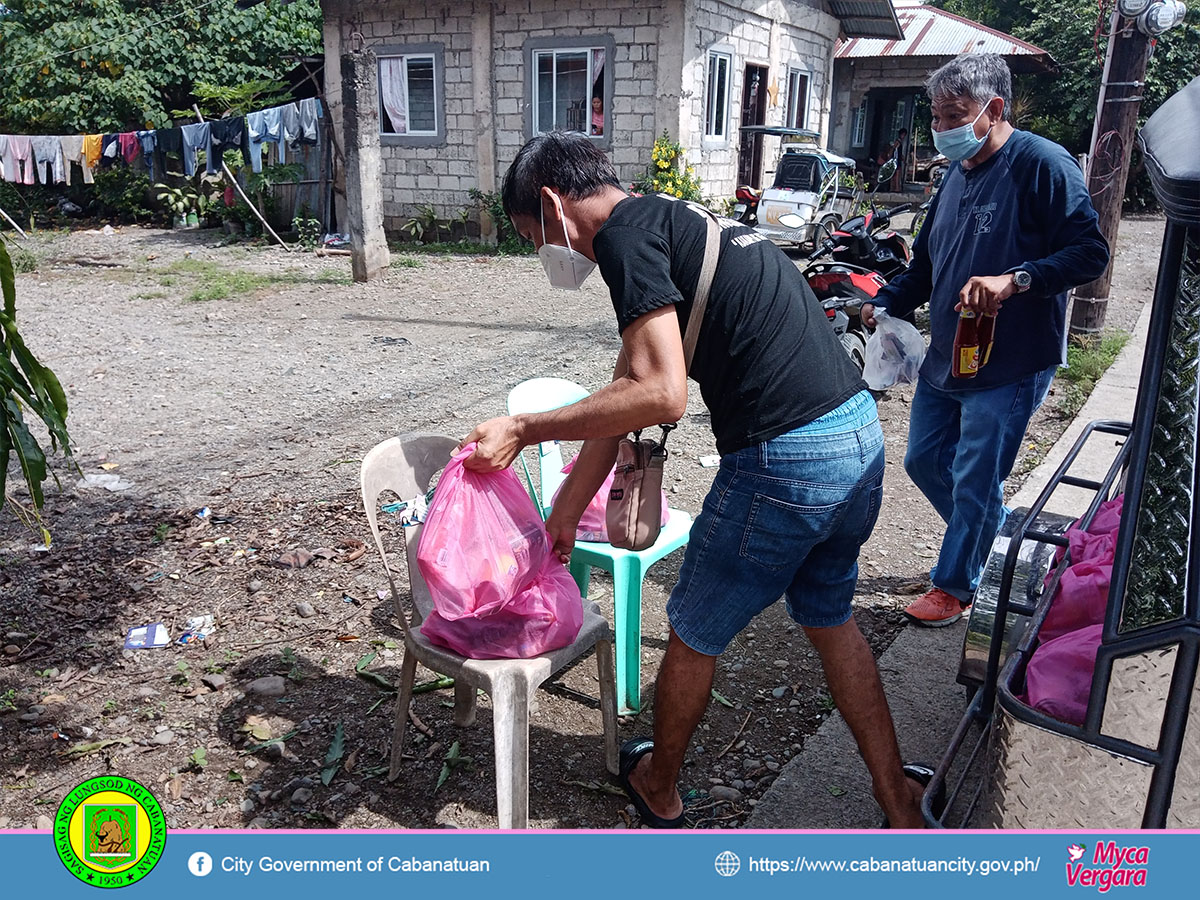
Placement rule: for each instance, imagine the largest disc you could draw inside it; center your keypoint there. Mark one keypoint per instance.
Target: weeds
(24, 261)
(1088, 358)
(407, 262)
(212, 282)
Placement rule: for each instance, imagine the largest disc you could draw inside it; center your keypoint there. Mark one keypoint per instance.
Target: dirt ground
(234, 428)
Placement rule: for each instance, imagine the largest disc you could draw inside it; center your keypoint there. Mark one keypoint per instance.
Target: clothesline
(50, 157)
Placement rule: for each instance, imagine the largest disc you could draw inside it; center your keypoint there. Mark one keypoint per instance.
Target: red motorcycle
(745, 209)
(864, 255)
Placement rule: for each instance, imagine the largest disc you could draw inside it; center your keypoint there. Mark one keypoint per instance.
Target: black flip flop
(631, 753)
(923, 774)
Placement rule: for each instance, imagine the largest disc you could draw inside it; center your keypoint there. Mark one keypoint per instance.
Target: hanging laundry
(48, 158)
(130, 145)
(197, 137)
(262, 127)
(109, 147)
(93, 145)
(150, 152)
(20, 151)
(228, 134)
(4, 158)
(72, 146)
(310, 111)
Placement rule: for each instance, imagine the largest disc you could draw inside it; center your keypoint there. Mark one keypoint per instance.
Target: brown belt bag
(634, 512)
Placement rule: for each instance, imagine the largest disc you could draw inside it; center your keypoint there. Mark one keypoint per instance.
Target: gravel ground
(259, 407)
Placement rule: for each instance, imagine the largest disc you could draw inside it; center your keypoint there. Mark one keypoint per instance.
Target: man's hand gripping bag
(498, 591)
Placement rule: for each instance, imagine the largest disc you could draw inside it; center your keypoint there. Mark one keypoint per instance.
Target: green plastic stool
(628, 567)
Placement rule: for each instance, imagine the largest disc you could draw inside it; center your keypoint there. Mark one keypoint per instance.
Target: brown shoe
(935, 608)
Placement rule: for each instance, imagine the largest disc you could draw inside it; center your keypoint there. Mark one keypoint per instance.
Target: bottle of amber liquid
(965, 363)
(987, 330)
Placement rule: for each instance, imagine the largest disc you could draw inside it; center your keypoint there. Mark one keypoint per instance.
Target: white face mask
(566, 267)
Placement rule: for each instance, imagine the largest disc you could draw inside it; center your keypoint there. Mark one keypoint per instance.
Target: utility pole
(1108, 163)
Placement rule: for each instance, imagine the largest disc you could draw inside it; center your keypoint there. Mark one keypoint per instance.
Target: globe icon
(727, 863)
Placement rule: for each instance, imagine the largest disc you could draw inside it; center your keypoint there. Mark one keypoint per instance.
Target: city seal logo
(110, 832)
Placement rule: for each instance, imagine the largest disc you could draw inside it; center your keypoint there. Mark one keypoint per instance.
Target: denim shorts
(783, 518)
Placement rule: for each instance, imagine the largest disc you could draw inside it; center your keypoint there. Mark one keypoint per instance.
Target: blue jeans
(961, 448)
(783, 518)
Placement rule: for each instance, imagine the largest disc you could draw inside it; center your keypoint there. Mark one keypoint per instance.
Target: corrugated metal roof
(929, 31)
(867, 18)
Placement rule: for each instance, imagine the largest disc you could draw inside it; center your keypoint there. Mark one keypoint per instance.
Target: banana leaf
(26, 387)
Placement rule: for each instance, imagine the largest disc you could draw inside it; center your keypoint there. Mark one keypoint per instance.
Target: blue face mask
(960, 143)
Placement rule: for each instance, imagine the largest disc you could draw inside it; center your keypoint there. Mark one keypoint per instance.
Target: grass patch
(214, 282)
(1088, 358)
(24, 261)
(461, 248)
(151, 295)
(407, 262)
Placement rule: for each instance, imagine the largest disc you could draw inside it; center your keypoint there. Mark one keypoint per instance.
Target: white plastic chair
(405, 467)
(628, 567)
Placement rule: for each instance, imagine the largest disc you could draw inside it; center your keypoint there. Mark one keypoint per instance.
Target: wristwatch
(1022, 280)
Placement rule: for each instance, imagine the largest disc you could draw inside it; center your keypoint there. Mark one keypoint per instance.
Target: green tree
(103, 65)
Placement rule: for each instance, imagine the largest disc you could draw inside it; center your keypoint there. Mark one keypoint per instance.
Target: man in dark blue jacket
(1010, 232)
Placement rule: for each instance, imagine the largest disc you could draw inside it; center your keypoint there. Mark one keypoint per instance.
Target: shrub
(668, 172)
(507, 239)
(121, 193)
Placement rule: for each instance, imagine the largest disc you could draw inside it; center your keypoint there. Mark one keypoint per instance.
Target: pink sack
(1058, 678)
(593, 525)
(498, 591)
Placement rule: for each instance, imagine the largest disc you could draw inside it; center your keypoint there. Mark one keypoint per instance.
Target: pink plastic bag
(498, 591)
(1058, 678)
(593, 524)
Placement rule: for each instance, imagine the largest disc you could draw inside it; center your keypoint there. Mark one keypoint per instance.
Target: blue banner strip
(583, 865)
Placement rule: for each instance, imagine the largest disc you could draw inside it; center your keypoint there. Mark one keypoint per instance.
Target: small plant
(110, 707)
(423, 223)
(182, 673)
(160, 533)
(178, 200)
(507, 239)
(292, 662)
(8, 700)
(452, 761)
(24, 261)
(407, 262)
(199, 758)
(668, 172)
(308, 229)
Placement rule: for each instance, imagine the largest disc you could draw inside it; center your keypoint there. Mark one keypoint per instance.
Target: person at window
(800, 480)
(597, 116)
(1011, 226)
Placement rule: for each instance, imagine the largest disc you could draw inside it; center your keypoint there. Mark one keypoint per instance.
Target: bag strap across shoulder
(712, 250)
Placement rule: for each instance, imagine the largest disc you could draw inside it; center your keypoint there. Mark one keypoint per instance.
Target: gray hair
(980, 76)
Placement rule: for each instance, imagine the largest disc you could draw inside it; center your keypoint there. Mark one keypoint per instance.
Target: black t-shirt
(767, 360)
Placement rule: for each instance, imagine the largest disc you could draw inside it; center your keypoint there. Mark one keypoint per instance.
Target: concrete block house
(462, 85)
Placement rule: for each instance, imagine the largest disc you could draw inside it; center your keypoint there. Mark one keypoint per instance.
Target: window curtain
(393, 91)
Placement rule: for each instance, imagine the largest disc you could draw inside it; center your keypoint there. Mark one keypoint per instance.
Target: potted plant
(177, 202)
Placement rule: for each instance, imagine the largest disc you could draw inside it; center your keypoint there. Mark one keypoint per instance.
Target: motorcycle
(864, 256)
(745, 210)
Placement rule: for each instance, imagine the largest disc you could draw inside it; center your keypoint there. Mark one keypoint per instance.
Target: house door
(754, 112)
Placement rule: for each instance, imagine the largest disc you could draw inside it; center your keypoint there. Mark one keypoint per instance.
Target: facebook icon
(200, 864)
